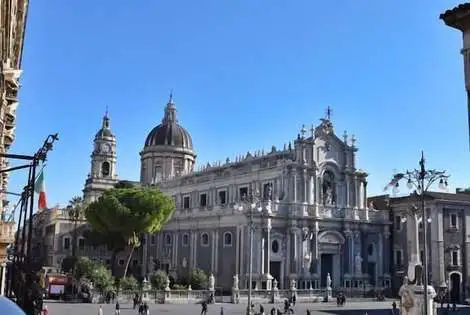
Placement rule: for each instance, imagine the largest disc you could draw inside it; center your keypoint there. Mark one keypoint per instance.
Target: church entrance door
(455, 281)
(275, 270)
(326, 263)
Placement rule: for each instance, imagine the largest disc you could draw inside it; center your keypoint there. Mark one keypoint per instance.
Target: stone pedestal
(412, 300)
(266, 281)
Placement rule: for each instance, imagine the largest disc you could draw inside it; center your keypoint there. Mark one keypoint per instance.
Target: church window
(121, 262)
(329, 188)
(186, 202)
(398, 223)
(178, 168)
(81, 243)
(455, 258)
(203, 200)
(66, 243)
(453, 220)
(158, 176)
(185, 240)
(243, 193)
(168, 239)
(205, 239)
(227, 239)
(370, 249)
(222, 197)
(268, 191)
(105, 168)
(275, 246)
(152, 239)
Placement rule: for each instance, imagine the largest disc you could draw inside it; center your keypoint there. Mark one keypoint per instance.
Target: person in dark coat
(204, 308)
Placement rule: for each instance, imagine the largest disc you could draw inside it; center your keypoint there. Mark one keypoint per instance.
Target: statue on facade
(358, 264)
(275, 284)
(293, 284)
(167, 285)
(211, 282)
(151, 265)
(235, 282)
(328, 280)
(328, 190)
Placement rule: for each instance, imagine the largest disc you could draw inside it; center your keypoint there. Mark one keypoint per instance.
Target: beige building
(13, 22)
(448, 239)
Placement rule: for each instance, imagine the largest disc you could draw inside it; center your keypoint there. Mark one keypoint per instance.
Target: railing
(241, 296)
(296, 210)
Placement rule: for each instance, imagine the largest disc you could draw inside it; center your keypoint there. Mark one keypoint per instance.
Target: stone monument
(412, 299)
(328, 286)
(235, 290)
(211, 282)
(358, 264)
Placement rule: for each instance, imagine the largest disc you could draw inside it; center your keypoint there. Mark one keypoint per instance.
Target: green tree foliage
(126, 213)
(158, 280)
(128, 283)
(68, 263)
(124, 184)
(76, 213)
(198, 279)
(95, 272)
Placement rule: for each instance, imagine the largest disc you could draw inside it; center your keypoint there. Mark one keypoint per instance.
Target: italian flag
(40, 189)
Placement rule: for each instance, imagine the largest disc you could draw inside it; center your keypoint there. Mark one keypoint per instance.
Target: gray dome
(104, 133)
(171, 134)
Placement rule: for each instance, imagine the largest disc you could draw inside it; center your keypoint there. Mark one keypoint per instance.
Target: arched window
(227, 239)
(105, 169)
(329, 188)
(275, 246)
(205, 239)
(168, 239)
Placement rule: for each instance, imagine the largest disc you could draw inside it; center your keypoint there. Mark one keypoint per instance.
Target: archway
(330, 247)
(455, 283)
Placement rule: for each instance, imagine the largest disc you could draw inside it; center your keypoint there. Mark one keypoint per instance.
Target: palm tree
(75, 211)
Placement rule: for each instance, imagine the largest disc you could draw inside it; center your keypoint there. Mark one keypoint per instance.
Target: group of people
(142, 307)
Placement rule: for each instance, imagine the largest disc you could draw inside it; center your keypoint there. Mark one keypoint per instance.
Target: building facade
(13, 15)
(448, 239)
(311, 217)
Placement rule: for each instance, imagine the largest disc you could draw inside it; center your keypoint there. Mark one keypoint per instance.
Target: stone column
(294, 186)
(217, 239)
(267, 254)
(350, 254)
(305, 186)
(294, 250)
(213, 253)
(357, 251)
(348, 190)
(437, 241)
(387, 251)
(311, 189)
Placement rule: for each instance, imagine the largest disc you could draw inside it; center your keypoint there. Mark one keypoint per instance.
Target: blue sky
(245, 75)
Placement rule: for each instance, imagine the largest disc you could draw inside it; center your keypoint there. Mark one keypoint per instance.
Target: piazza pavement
(351, 308)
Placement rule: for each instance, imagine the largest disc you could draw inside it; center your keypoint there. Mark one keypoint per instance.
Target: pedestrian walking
(204, 308)
(118, 308)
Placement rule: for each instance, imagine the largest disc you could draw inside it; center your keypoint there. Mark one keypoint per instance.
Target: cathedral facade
(305, 203)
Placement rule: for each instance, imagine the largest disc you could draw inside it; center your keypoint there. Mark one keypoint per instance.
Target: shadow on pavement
(462, 310)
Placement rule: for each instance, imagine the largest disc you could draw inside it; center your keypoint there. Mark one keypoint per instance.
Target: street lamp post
(421, 180)
(249, 206)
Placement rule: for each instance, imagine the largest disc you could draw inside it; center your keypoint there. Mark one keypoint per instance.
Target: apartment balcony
(12, 76)
(9, 136)
(7, 237)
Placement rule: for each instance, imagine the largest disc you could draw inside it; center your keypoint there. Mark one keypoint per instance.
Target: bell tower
(102, 175)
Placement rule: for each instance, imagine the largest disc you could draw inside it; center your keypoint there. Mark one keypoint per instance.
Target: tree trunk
(113, 262)
(128, 261)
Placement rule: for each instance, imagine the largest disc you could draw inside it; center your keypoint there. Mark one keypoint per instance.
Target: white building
(314, 217)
